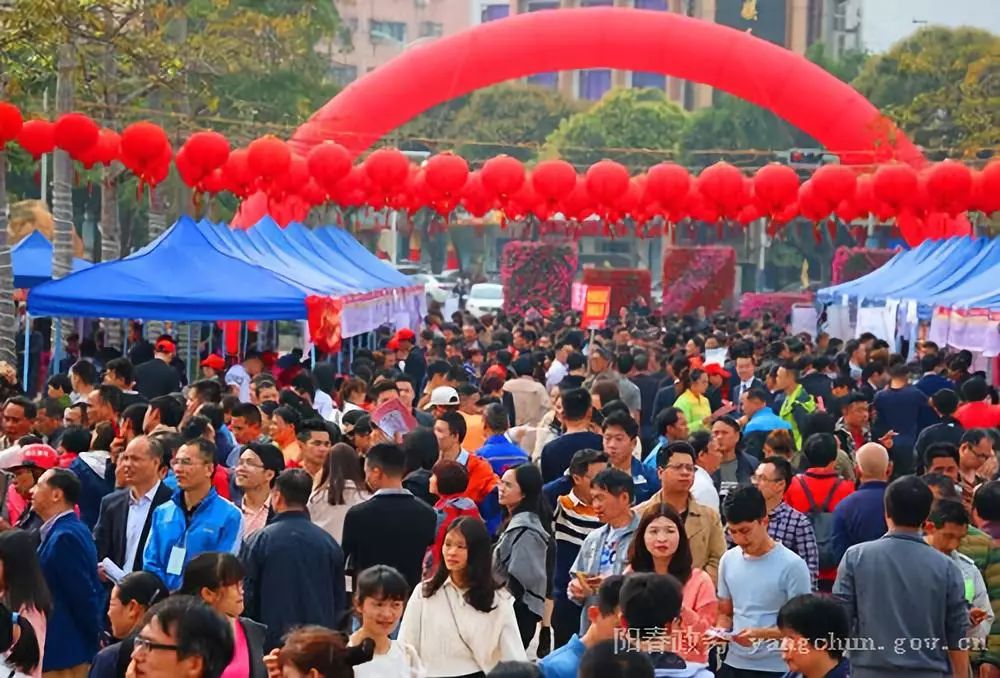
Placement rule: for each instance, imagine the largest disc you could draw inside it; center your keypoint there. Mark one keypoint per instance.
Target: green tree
(637, 127)
(511, 118)
(941, 86)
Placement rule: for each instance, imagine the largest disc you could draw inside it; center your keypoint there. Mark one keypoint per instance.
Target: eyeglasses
(248, 464)
(762, 479)
(140, 644)
(185, 462)
(683, 468)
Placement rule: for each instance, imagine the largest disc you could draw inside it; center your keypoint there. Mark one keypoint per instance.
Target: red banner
(323, 314)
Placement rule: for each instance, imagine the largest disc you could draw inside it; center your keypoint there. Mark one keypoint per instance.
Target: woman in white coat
(461, 621)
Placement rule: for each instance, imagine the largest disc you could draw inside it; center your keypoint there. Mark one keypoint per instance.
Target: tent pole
(27, 350)
(191, 373)
(57, 349)
(211, 336)
(245, 328)
(225, 344)
(312, 357)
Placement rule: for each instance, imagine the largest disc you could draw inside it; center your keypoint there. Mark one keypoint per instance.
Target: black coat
(256, 636)
(818, 385)
(112, 522)
(294, 576)
(734, 390)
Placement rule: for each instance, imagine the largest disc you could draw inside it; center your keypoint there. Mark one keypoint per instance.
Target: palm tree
(62, 179)
(8, 320)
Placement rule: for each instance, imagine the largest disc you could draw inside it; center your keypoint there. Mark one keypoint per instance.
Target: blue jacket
(860, 516)
(97, 480)
(564, 662)
(502, 454)
(68, 560)
(766, 420)
(216, 525)
(646, 484)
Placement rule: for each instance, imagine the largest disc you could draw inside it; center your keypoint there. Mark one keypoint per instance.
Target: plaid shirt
(795, 532)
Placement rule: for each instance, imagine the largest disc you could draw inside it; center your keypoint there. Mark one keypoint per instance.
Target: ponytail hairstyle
(314, 647)
(24, 655)
(689, 377)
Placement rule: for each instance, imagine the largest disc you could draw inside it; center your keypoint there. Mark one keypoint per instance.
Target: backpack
(822, 521)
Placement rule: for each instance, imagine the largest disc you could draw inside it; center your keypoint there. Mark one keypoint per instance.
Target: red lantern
(237, 174)
(723, 188)
(37, 137)
(10, 123)
(606, 181)
(502, 176)
(775, 187)
(214, 183)
(949, 187)
(812, 206)
(474, 198)
(207, 150)
(578, 205)
(268, 158)
(329, 163)
(668, 184)
(296, 177)
(446, 173)
(387, 170)
(108, 146)
(313, 193)
(896, 186)
(191, 174)
(75, 133)
(911, 226)
(834, 183)
(143, 143)
(553, 180)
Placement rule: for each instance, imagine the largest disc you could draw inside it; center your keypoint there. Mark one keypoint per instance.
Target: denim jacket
(589, 557)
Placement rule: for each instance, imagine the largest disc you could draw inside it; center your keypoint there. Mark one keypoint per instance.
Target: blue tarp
(953, 272)
(180, 276)
(347, 245)
(32, 261)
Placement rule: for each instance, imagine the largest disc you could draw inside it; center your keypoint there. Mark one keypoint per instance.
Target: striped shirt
(574, 520)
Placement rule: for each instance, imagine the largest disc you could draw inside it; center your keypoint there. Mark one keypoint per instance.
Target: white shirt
(239, 377)
(323, 404)
(138, 511)
(401, 661)
(432, 626)
(557, 372)
(703, 490)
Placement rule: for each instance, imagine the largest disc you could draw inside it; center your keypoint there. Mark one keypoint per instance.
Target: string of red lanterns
(925, 203)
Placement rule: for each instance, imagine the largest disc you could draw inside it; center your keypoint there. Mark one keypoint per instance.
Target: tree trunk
(8, 319)
(62, 180)
(109, 221)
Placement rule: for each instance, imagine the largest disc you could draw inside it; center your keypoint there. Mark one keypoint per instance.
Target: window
(494, 12)
(343, 74)
(393, 31)
(430, 29)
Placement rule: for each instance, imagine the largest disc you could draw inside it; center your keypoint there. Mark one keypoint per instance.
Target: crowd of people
(684, 497)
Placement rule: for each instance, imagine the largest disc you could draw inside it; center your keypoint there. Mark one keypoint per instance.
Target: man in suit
(68, 561)
(126, 514)
(815, 380)
(743, 380)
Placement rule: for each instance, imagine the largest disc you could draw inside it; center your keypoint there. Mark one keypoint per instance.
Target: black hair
(606, 390)
(495, 418)
(145, 588)
(730, 422)
(24, 584)
(782, 467)
(421, 449)
(948, 511)
(122, 367)
(650, 601)
(212, 571)
(289, 414)
(986, 501)
(85, 371)
(51, 407)
(665, 418)
(607, 660)
(898, 370)
(67, 482)
(975, 390)
(908, 501)
(622, 420)
(820, 449)
(744, 505)
(197, 630)
(207, 390)
(582, 459)
(135, 414)
(456, 424)
(195, 427)
(758, 394)
(25, 655)
(974, 436)
(529, 479)
(205, 448)
(608, 594)
(820, 620)
(61, 382)
(641, 560)
(75, 439)
(614, 481)
(388, 458)
(307, 427)
(342, 464)
(941, 449)
(669, 450)
(452, 477)
(945, 401)
(482, 585)
(249, 412)
(381, 582)
(229, 403)
(170, 408)
(944, 485)
(295, 486)
(437, 367)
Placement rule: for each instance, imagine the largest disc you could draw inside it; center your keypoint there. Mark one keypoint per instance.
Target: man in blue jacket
(498, 449)
(294, 569)
(196, 520)
(68, 560)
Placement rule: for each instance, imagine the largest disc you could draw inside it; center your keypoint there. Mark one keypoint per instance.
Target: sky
(885, 22)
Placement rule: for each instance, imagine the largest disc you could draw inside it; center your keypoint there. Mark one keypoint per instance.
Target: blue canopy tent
(182, 276)
(32, 261)
(975, 277)
(343, 243)
(899, 265)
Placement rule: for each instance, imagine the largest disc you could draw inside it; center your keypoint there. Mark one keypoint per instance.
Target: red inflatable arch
(748, 67)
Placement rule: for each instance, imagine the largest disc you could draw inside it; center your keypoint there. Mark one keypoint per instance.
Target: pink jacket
(698, 614)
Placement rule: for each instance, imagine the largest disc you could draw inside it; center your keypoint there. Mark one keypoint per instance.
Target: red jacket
(220, 481)
(820, 483)
(449, 509)
(978, 415)
(482, 479)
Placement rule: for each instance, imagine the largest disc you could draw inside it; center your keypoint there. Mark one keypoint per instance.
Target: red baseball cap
(215, 361)
(405, 334)
(717, 370)
(392, 344)
(37, 456)
(165, 346)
